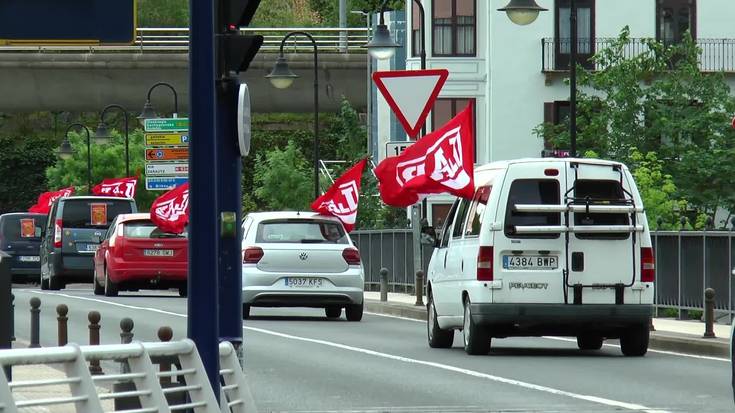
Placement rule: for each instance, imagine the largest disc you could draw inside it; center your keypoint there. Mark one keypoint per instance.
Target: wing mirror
(428, 236)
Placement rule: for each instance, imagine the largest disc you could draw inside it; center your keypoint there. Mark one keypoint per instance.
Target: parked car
(545, 247)
(73, 229)
(135, 254)
(20, 237)
(300, 259)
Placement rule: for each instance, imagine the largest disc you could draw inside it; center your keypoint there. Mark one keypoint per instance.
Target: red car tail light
(351, 256)
(648, 265)
(58, 228)
(252, 255)
(485, 264)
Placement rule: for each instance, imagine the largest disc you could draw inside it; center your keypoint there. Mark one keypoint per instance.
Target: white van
(546, 247)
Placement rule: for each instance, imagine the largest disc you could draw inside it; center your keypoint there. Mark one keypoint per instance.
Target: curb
(664, 341)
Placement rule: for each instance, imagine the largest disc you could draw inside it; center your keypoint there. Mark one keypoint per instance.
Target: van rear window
(92, 213)
(600, 192)
(22, 227)
(532, 192)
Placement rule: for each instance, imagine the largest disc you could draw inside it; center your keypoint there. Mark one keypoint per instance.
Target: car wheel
(183, 291)
(354, 312)
(54, 283)
(98, 289)
(476, 338)
(438, 338)
(589, 342)
(245, 311)
(44, 283)
(333, 312)
(634, 340)
(110, 286)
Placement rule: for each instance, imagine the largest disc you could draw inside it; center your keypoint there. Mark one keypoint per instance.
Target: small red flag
(342, 198)
(440, 162)
(170, 211)
(46, 199)
(119, 187)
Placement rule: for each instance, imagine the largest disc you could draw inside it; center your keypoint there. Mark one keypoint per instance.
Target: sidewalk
(671, 334)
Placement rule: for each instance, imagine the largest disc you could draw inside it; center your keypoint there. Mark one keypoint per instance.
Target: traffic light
(235, 51)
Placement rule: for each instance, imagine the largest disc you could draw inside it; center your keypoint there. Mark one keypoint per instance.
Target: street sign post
(166, 152)
(158, 139)
(167, 125)
(167, 169)
(164, 183)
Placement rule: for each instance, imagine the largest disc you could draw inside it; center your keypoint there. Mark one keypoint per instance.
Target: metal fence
(176, 40)
(687, 263)
(717, 55)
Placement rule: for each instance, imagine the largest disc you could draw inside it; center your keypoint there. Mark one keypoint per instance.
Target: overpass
(86, 78)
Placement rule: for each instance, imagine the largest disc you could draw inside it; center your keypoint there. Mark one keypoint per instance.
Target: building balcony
(718, 55)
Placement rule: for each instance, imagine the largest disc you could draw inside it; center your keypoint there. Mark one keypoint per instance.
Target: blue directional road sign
(164, 183)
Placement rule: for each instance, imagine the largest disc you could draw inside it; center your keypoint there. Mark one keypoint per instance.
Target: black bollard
(63, 333)
(35, 322)
(94, 340)
(709, 313)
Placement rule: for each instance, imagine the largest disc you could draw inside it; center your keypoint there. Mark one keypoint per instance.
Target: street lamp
(102, 135)
(382, 46)
(516, 11)
(282, 77)
(66, 151)
(148, 112)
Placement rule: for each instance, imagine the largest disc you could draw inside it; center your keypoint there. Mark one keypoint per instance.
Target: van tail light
(485, 264)
(252, 255)
(648, 265)
(351, 256)
(58, 227)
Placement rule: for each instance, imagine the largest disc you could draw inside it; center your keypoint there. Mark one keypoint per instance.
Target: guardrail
(192, 382)
(176, 40)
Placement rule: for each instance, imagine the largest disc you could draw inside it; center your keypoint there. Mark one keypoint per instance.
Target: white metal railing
(173, 39)
(83, 387)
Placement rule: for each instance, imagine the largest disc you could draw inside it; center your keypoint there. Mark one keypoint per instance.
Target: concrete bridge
(86, 78)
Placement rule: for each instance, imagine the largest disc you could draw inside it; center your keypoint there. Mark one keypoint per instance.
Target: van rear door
(529, 250)
(86, 219)
(603, 246)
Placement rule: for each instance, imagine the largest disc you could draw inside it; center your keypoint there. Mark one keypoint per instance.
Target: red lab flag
(46, 199)
(170, 211)
(440, 162)
(342, 197)
(119, 187)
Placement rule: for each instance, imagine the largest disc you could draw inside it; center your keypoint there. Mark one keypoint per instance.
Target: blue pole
(202, 325)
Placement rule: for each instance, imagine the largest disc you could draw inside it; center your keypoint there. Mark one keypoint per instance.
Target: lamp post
(102, 135)
(523, 12)
(66, 151)
(148, 112)
(281, 77)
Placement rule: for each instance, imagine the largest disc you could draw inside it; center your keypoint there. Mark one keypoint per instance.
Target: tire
(333, 312)
(589, 342)
(634, 340)
(110, 286)
(98, 289)
(437, 337)
(354, 312)
(183, 291)
(476, 338)
(54, 283)
(44, 283)
(245, 311)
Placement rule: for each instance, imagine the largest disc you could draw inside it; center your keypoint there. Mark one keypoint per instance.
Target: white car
(546, 247)
(300, 259)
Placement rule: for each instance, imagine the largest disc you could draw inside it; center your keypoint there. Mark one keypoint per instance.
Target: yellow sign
(157, 139)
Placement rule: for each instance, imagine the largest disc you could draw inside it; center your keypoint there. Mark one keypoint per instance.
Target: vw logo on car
(304, 256)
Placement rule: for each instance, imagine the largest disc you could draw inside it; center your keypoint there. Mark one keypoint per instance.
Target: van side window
(600, 192)
(477, 210)
(448, 226)
(532, 192)
(461, 216)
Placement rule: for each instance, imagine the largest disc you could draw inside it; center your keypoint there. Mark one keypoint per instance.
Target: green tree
(657, 190)
(23, 161)
(282, 179)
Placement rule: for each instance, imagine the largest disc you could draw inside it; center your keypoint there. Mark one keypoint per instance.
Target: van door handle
(445, 259)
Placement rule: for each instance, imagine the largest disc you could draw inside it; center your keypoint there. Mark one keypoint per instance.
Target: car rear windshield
(147, 229)
(600, 192)
(301, 231)
(22, 227)
(92, 213)
(532, 192)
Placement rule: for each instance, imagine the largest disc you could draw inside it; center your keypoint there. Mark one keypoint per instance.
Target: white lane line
(513, 382)
(574, 340)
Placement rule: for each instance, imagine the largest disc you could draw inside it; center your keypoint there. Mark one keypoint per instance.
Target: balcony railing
(176, 40)
(718, 55)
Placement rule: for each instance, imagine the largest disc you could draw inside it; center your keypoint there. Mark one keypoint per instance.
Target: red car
(135, 254)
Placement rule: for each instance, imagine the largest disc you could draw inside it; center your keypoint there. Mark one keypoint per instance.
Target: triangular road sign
(411, 94)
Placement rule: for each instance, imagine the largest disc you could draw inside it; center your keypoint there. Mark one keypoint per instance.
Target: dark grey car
(20, 237)
(73, 232)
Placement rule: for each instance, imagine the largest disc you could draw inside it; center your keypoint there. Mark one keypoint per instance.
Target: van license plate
(530, 262)
(92, 247)
(301, 282)
(158, 253)
(29, 258)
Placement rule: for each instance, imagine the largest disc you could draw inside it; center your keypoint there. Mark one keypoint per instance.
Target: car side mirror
(428, 236)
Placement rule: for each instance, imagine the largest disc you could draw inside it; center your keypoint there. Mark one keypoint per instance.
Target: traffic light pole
(202, 325)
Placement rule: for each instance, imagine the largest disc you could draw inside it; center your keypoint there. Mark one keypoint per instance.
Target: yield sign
(411, 94)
